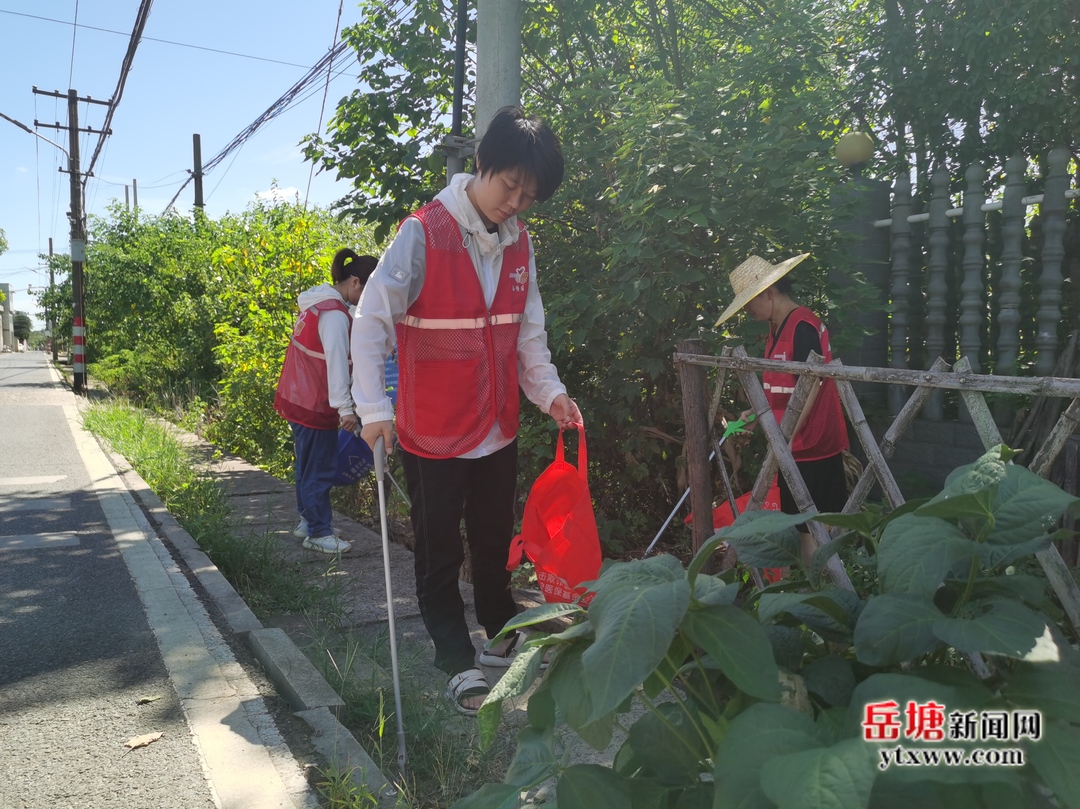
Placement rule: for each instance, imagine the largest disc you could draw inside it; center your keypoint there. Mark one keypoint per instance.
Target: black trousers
(443, 491)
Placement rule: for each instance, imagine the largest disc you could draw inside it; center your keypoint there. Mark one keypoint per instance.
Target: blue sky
(171, 92)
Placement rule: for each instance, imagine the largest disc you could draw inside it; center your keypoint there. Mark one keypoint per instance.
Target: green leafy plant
(763, 701)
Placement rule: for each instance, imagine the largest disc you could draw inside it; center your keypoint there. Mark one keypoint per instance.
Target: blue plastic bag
(354, 459)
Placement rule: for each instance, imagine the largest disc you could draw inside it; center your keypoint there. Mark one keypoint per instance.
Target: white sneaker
(327, 544)
(303, 532)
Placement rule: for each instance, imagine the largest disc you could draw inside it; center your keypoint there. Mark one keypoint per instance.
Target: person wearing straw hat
(763, 290)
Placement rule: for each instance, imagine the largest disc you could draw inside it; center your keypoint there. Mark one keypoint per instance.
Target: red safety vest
(824, 432)
(456, 358)
(303, 394)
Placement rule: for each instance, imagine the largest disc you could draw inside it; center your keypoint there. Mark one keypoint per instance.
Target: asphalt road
(101, 643)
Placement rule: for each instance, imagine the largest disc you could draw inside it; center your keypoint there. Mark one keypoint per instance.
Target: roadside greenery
(254, 564)
(192, 316)
(763, 702)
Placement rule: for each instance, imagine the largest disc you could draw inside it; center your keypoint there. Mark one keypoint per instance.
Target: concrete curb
(309, 694)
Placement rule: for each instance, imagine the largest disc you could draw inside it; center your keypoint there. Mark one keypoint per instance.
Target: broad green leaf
(837, 777)
(670, 747)
(787, 645)
(522, 673)
(635, 613)
(997, 556)
(1026, 507)
(534, 760)
(757, 735)
(663, 675)
(983, 474)
(1048, 687)
(710, 590)
(861, 522)
(831, 613)
(1029, 589)
(1056, 757)
(590, 786)
(541, 706)
(969, 505)
(568, 685)
(1008, 628)
(492, 796)
(831, 678)
(695, 797)
(823, 554)
(739, 645)
(896, 627)
(537, 615)
(916, 554)
(765, 538)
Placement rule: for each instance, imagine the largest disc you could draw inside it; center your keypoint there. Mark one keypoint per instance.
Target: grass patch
(254, 564)
(445, 762)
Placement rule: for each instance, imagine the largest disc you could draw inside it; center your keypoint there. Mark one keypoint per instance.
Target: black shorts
(827, 484)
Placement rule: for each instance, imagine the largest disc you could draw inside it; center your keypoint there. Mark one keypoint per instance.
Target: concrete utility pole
(52, 304)
(498, 73)
(196, 148)
(135, 194)
(498, 59)
(78, 229)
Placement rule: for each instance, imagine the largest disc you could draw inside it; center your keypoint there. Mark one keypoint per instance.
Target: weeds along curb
(310, 696)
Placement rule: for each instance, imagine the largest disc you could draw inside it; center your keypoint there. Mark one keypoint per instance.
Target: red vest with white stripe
(456, 358)
(303, 393)
(823, 433)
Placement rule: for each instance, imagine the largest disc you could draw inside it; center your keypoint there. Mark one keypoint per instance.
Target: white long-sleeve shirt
(394, 287)
(334, 334)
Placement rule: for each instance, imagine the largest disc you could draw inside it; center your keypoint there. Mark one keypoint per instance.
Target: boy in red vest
(456, 291)
(313, 393)
(820, 436)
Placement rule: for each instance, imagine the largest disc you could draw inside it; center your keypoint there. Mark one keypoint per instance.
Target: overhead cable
(136, 34)
(275, 109)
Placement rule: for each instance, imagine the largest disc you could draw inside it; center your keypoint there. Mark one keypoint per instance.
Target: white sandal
(469, 683)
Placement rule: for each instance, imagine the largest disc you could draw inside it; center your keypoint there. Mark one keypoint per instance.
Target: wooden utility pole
(78, 229)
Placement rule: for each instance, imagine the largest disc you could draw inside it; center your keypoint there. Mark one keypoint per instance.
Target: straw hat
(753, 277)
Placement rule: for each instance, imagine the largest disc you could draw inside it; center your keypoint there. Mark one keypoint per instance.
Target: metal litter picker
(733, 428)
(380, 474)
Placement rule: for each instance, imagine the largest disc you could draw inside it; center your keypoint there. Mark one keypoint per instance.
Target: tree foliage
(22, 325)
(199, 310)
(56, 300)
(694, 133)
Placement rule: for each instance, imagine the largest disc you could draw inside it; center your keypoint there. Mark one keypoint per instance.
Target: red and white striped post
(78, 353)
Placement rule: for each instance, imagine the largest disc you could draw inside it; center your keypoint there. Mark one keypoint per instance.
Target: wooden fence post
(695, 416)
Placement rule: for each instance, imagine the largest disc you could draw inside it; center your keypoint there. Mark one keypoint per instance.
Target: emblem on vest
(521, 278)
(300, 321)
(782, 356)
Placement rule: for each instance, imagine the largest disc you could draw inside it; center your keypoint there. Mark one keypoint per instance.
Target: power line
(274, 110)
(152, 39)
(129, 57)
(74, 29)
(326, 92)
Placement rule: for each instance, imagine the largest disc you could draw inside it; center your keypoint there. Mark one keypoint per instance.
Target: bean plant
(803, 695)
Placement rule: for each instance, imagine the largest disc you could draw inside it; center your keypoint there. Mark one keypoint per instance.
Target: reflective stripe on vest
(824, 432)
(303, 392)
(461, 322)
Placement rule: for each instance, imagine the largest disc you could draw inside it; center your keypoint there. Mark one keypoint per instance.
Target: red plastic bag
(722, 517)
(558, 531)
